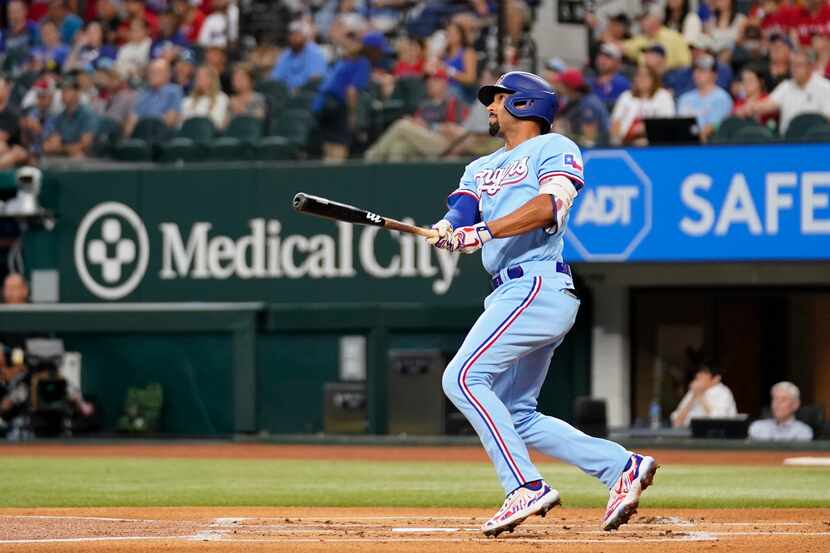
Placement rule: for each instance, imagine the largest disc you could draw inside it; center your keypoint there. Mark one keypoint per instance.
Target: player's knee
(451, 385)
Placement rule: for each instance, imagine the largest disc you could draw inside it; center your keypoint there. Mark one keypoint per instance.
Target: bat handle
(393, 224)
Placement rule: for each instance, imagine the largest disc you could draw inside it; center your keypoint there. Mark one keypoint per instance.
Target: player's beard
(494, 128)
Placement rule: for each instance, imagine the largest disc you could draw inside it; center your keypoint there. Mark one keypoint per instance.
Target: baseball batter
(513, 205)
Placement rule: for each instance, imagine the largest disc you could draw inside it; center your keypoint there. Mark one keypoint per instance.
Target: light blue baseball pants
(497, 374)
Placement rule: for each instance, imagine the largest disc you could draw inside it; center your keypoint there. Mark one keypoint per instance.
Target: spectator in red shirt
(136, 9)
(190, 19)
(821, 44)
(811, 19)
(771, 15)
(411, 58)
(753, 89)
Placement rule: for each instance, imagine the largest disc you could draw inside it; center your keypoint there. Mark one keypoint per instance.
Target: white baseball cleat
(520, 504)
(625, 494)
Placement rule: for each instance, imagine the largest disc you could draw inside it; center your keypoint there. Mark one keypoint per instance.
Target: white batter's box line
(93, 539)
(81, 517)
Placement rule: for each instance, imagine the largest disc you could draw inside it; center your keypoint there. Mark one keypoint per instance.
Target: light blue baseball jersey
(505, 180)
(496, 376)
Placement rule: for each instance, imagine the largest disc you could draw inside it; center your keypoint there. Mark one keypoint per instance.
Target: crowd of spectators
(709, 61)
(73, 67)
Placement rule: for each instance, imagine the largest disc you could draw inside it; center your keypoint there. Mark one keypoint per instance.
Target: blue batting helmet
(531, 97)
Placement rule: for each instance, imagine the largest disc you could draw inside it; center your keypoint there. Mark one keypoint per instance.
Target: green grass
(76, 482)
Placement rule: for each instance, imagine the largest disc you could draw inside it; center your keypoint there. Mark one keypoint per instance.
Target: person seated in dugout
(707, 397)
(782, 426)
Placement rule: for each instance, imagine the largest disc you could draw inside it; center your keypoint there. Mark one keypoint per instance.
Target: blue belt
(516, 271)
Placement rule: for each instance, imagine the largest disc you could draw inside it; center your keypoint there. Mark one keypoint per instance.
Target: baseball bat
(323, 207)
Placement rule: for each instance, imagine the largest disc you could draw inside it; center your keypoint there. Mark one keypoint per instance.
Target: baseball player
(513, 205)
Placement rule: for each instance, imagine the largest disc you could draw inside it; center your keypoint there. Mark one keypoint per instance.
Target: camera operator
(14, 393)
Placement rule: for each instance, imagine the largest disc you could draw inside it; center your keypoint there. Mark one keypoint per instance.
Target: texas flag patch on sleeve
(569, 160)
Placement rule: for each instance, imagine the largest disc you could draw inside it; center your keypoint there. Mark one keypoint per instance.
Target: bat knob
(299, 200)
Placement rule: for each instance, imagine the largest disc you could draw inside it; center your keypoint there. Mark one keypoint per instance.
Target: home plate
(425, 530)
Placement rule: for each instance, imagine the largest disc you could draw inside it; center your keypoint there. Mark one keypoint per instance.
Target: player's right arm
(463, 209)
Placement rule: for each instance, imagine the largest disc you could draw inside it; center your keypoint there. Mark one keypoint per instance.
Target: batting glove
(470, 239)
(442, 238)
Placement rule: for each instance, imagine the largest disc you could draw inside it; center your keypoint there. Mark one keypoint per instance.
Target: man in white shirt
(783, 426)
(221, 28)
(806, 92)
(707, 397)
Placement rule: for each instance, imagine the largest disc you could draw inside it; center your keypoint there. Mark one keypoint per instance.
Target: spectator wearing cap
(647, 98)
(554, 67)
(137, 9)
(221, 27)
(134, 56)
(19, 34)
(654, 57)
(609, 83)
(52, 51)
(750, 49)
(108, 15)
(726, 26)
(36, 118)
(681, 81)
(708, 103)
(806, 92)
(780, 51)
(584, 117)
(613, 29)
(652, 31)
(207, 99)
(682, 18)
(116, 98)
(170, 41)
(419, 136)
(72, 132)
(303, 62)
(160, 98)
(191, 19)
(336, 102)
(245, 100)
(89, 48)
(782, 426)
(67, 22)
(184, 70)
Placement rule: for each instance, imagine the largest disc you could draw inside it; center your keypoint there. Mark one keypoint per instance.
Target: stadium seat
(152, 130)
(755, 134)
(801, 125)
(133, 149)
(302, 99)
(237, 143)
(275, 93)
(729, 126)
(819, 133)
(289, 135)
(812, 416)
(198, 129)
(106, 137)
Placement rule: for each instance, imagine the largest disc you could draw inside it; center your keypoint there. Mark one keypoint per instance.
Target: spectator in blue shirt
(160, 98)
(72, 132)
(303, 62)
(609, 82)
(89, 48)
(681, 80)
(709, 103)
(336, 102)
(51, 50)
(584, 118)
(170, 40)
(67, 22)
(20, 33)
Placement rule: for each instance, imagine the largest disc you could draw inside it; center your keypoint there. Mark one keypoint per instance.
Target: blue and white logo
(613, 213)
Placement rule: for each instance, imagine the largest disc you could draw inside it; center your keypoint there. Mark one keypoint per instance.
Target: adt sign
(613, 212)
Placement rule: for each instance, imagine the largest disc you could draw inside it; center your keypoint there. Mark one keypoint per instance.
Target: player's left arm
(560, 176)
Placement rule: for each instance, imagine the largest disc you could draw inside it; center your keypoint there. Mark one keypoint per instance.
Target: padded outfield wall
(154, 235)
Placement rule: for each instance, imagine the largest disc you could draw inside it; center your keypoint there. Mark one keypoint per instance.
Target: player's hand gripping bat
(321, 207)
